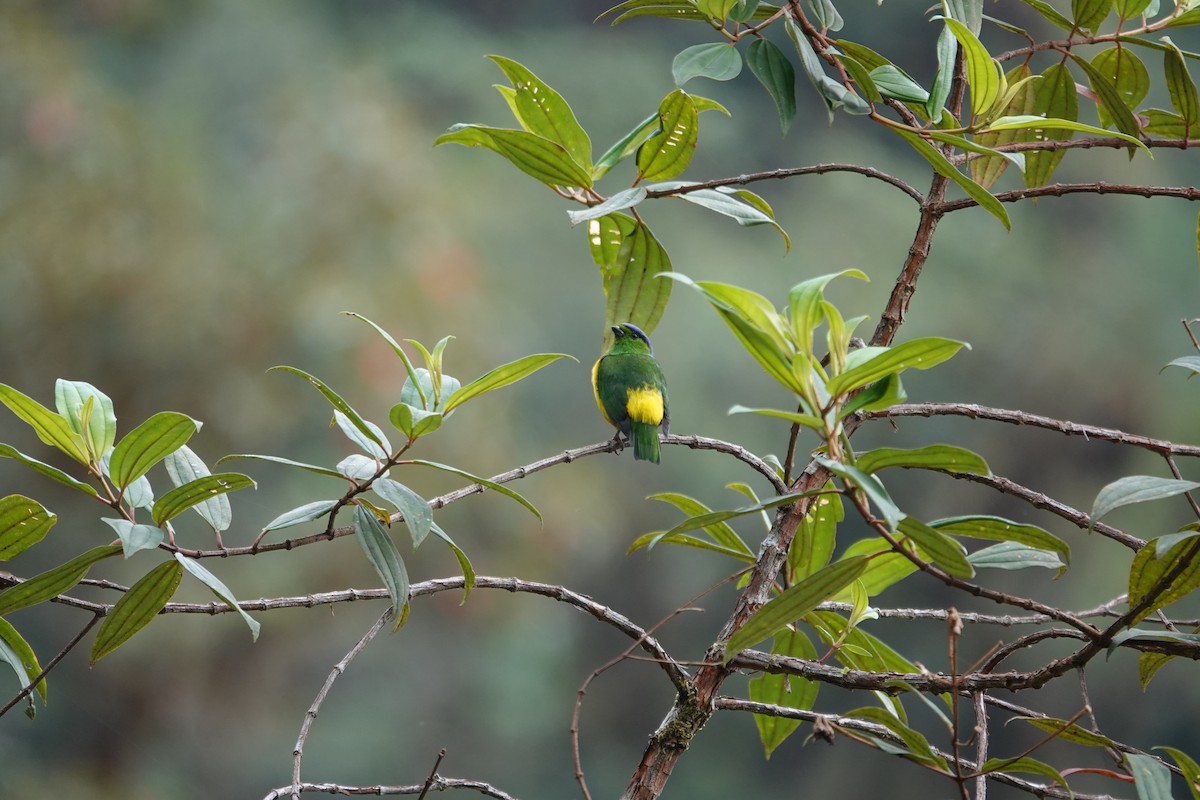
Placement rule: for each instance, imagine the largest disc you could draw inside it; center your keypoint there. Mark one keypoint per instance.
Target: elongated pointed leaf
(719, 532)
(184, 466)
(149, 443)
(1151, 777)
(502, 376)
(538, 157)
(1136, 489)
(17, 653)
(947, 54)
(338, 403)
(1187, 765)
(656, 538)
(631, 262)
(381, 552)
(99, 430)
(915, 354)
(1121, 115)
(667, 153)
(916, 746)
(1004, 530)
(1054, 97)
(944, 551)
(1068, 731)
(773, 70)
(198, 491)
(51, 428)
(544, 112)
(1148, 569)
(135, 537)
(711, 518)
(783, 690)
(794, 603)
(716, 61)
(893, 82)
(627, 198)
(1011, 556)
(1023, 764)
(305, 513)
(941, 457)
(807, 420)
(484, 482)
(626, 146)
(136, 608)
(331, 473)
(983, 73)
(1180, 85)
(1128, 9)
(53, 582)
(54, 473)
(417, 514)
(945, 168)
(1035, 123)
(214, 584)
(23, 523)
(813, 544)
(464, 563)
(1051, 14)
(824, 14)
(1128, 75)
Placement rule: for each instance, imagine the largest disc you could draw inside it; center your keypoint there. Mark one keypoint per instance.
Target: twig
(485, 789)
(792, 172)
(51, 664)
(433, 773)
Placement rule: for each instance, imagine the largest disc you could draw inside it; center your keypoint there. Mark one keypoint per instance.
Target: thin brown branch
(1095, 187)
(792, 172)
(381, 790)
(51, 664)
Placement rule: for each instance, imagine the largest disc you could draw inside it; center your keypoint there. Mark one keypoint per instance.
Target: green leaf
(1128, 75)
(718, 61)
(877, 396)
(338, 403)
(464, 563)
(631, 261)
(968, 12)
(484, 482)
(804, 304)
(862, 651)
(983, 72)
(786, 691)
(1041, 124)
(773, 70)
(947, 54)
(1187, 362)
(51, 428)
(134, 537)
(1136, 489)
(185, 466)
(823, 13)
(914, 745)
(725, 202)
(655, 538)
(331, 473)
(1054, 97)
(20, 656)
(1149, 664)
(711, 518)
(833, 93)
(719, 532)
(544, 112)
(1110, 99)
(1188, 766)
(861, 77)
(715, 10)
(23, 523)
(149, 443)
(892, 82)
(870, 485)
(1004, 530)
(99, 428)
(915, 354)
(813, 544)
(1023, 764)
(1089, 14)
(218, 588)
(1012, 555)
(536, 156)
(1148, 568)
(1151, 777)
(986, 171)
(1152, 635)
(414, 508)
(196, 492)
(377, 447)
(807, 420)
(502, 376)
(1051, 14)
(626, 146)
(305, 513)
(1068, 731)
(943, 550)
(54, 473)
(1128, 9)
(1180, 85)
(941, 457)
(1191, 17)
(626, 198)
(943, 167)
(396, 348)
(668, 152)
(136, 608)
(53, 582)
(381, 552)
(794, 602)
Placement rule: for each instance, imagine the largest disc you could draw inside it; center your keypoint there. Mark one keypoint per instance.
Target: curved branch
(1191, 193)
(439, 783)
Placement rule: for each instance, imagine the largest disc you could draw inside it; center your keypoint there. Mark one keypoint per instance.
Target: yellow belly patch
(645, 405)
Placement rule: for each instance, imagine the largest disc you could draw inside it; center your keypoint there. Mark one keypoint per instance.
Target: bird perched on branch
(631, 392)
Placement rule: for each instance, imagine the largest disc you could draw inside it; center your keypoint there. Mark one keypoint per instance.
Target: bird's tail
(645, 442)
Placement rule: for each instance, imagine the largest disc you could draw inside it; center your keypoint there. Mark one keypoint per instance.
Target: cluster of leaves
(84, 427)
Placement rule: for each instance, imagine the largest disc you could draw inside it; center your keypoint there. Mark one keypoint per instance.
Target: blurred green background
(191, 192)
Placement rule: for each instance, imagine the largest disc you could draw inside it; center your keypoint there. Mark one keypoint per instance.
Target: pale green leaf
(1136, 489)
(536, 156)
(382, 554)
(53, 582)
(502, 376)
(201, 573)
(716, 60)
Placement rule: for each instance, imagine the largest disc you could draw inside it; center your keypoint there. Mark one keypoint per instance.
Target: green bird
(631, 391)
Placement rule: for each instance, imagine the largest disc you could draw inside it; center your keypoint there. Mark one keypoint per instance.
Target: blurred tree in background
(190, 193)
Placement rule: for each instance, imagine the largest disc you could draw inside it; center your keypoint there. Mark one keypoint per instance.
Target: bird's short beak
(617, 330)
